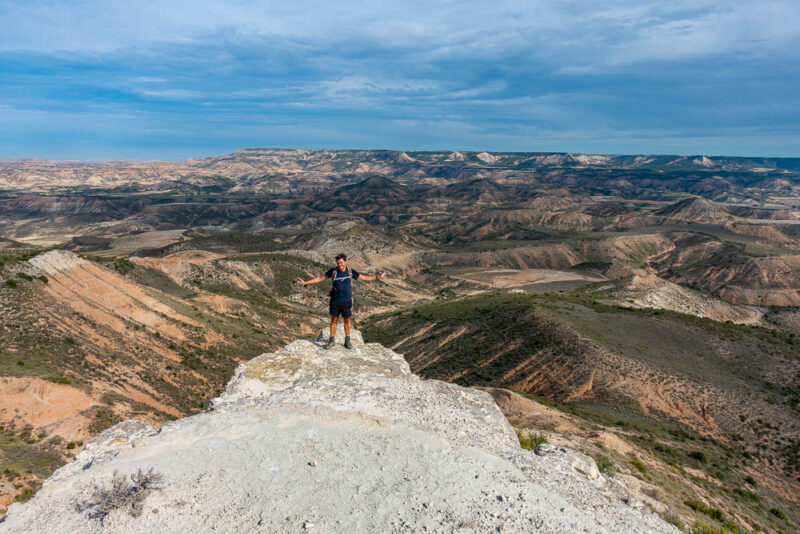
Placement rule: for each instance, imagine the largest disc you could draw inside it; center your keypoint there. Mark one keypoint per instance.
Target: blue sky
(179, 79)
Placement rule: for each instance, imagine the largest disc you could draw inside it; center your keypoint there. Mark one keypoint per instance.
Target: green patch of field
(25, 453)
(126, 245)
(232, 243)
(158, 280)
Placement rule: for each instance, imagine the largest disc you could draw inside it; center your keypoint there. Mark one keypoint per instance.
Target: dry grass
(122, 495)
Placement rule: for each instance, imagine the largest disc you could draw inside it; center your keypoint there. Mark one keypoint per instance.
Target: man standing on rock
(341, 295)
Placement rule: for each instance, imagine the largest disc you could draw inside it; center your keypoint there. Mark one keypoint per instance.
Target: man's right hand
(300, 281)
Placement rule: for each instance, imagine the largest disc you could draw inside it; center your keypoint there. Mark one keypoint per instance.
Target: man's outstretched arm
(320, 278)
(370, 278)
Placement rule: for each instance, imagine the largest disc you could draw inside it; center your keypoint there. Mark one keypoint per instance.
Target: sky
(178, 79)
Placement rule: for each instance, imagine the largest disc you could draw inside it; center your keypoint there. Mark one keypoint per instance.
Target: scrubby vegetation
(530, 440)
(710, 407)
(122, 495)
(482, 340)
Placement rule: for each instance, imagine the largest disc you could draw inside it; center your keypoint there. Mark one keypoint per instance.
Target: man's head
(341, 261)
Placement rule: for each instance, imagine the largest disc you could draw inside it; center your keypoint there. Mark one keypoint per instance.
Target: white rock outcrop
(334, 441)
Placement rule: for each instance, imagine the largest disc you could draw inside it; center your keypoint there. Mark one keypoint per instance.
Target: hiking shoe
(331, 342)
(347, 343)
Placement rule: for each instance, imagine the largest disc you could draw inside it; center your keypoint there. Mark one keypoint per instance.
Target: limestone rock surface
(333, 441)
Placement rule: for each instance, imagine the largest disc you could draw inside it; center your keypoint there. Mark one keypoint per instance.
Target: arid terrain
(645, 309)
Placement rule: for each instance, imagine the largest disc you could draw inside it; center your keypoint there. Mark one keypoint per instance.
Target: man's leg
(334, 320)
(346, 314)
(347, 326)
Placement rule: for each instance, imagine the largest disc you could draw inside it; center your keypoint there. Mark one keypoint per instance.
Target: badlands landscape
(641, 310)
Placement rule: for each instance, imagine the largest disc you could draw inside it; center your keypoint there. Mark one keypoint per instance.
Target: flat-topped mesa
(313, 440)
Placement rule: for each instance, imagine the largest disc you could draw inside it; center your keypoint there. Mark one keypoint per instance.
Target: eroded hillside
(682, 384)
(88, 341)
(653, 298)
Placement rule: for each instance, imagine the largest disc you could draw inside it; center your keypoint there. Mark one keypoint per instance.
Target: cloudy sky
(178, 79)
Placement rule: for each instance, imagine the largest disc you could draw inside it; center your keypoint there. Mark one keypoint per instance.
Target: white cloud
(172, 94)
(573, 33)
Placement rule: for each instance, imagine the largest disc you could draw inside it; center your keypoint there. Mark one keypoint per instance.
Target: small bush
(122, 495)
(103, 419)
(694, 504)
(750, 480)
(698, 506)
(27, 494)
(59, 379)
(11, 283)
(71, 445)
(746, 495)
(673, 519)
(698, 527)
(123, 265)
(604, 464)
(20, 362)
(639, 465)
(530, 440)
(700, 456)
(44, 279)
(777, 513)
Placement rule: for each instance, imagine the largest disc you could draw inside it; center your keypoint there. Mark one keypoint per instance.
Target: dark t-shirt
(342, 290)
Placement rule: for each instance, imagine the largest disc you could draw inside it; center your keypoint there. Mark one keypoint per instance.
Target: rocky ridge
(309, 440)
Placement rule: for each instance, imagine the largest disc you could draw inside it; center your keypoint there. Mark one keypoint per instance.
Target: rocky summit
(313, 440)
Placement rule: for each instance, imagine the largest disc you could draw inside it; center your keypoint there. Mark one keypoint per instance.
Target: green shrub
(698, 527)
(123, 265)
(530, 440)
(777, 513)
(697, 506)
(604, 464)
(24, 276)
(58, 379)
(44, 279)
(103, 418)
(639, 465)
(694, 504)
(746, 495)
(11, 283)
(700, 456)
(673, 519)
(27, 494)
(71, 445)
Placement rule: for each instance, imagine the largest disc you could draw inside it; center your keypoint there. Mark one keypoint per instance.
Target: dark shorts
(345, 309)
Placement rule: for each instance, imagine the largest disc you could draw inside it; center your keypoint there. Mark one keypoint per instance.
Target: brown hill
(374, 192)
(694, 373)
(480, 191)
(696, 209)
(725, 270)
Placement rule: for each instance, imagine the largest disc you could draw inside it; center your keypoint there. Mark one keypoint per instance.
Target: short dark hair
(341, 257)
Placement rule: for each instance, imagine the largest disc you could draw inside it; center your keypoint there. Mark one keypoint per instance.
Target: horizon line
(6, 159)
